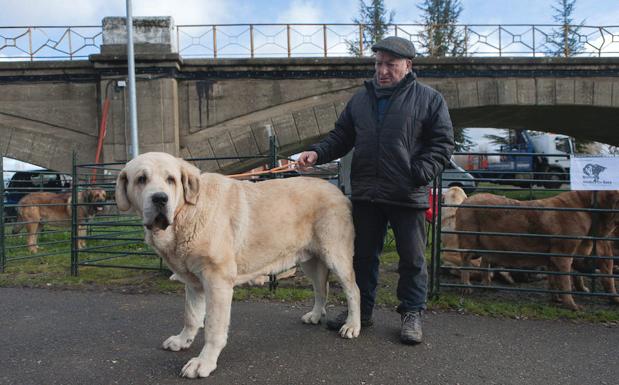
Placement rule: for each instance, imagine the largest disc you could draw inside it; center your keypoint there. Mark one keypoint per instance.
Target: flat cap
(397, 46)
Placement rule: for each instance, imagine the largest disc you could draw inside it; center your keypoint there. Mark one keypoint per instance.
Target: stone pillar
(156, 63)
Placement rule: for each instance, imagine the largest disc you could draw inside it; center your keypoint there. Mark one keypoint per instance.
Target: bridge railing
(336, 40)
(324, 40)
(49, 42)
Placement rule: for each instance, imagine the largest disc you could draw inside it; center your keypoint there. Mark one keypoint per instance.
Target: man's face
(390, 69)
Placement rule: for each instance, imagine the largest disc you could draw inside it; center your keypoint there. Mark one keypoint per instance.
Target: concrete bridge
(219, 107)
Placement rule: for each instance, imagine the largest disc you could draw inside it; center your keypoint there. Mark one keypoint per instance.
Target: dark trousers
(408, 226)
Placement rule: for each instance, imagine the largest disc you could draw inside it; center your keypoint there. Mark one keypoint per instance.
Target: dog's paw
(350, 330)
(312, 318)
(176, 343)
(197, 367)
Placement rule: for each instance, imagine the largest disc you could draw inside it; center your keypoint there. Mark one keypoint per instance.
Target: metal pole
(273, 160)
(74, 208)
(133, 115)
(2, 226)
(437, 233)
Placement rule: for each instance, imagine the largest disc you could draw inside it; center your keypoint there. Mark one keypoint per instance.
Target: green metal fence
(116, 239)
(27, 230)
(530, 279)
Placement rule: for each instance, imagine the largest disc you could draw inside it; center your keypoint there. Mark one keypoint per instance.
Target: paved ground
(69, 337)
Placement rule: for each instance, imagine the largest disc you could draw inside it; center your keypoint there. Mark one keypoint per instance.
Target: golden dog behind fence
(215, 232)
(37, 208)
(534, 221)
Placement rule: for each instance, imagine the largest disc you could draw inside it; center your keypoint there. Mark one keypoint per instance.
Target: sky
(90, 12)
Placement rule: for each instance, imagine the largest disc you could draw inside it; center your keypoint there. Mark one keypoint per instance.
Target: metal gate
(592, 267)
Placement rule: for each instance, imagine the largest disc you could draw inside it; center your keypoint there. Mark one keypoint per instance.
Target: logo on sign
(593, 171)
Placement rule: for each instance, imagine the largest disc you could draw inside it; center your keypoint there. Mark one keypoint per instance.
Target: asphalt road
(70, 337)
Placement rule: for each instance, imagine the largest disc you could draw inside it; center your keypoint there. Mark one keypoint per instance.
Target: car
(25, 182)
(454, 175)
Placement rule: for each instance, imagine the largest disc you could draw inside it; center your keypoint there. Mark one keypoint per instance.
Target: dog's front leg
(195, 303)
(219, 292)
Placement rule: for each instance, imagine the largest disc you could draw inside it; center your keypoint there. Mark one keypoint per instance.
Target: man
(402, 136)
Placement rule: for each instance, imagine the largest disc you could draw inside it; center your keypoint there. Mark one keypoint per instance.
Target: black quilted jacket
(396, 159)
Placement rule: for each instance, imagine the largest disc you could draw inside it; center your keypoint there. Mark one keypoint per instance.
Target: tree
(503, 137)
(566, 40)
(374, 21)
(441, 36)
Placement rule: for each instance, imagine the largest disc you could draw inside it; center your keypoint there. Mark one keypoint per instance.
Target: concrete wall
(205, 108)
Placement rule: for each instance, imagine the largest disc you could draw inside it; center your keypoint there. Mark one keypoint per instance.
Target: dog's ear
(122, 201)
(190, 176)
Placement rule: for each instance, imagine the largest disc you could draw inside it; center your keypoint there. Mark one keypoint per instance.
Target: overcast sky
(90, 12)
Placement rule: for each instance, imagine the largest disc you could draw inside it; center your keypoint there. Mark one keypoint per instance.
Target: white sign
(594, 173)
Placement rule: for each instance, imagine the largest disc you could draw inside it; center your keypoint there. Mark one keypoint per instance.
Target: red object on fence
(433, 209)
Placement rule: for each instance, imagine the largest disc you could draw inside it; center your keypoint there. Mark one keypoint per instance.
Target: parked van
(454, 175)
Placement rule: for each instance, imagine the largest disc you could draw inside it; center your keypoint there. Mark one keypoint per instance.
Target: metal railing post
(360, 39)
(2, 226)
(74, 225)
(594, 252)
(436, 237)
(273, 150)
(251, 40)
(433, 255)
(324, 39)
(214, 42)
(288, 45)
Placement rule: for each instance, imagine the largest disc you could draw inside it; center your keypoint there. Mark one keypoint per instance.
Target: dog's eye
(141, 179)
(171, 180)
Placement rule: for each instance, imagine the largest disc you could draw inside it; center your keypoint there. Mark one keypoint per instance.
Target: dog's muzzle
(161, 221)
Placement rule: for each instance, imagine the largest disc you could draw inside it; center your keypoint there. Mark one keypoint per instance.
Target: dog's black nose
(160, 199)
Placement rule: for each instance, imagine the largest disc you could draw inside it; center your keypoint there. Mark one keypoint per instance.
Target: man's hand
(307, 159)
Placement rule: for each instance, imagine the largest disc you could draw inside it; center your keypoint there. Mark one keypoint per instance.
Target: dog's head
(157, 185)
(454, 196)
(94, 199)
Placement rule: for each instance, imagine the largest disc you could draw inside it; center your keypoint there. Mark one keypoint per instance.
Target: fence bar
(214, 42)
(324, 39)
(2, 226)
(435, 226)
(288, 45)
(74, 250)
(251, 40)
(528, 290)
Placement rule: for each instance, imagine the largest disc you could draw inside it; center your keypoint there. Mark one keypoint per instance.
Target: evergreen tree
(441, 37)
(375, 21)
(566, 40)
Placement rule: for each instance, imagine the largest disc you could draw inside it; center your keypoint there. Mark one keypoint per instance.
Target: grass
(54, 271)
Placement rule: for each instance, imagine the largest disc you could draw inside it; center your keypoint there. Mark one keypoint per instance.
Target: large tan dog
(534, 221)
(455, 196)
(215, 232)
(37, 208)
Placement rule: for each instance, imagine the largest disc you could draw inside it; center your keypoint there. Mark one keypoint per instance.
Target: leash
(292, 166)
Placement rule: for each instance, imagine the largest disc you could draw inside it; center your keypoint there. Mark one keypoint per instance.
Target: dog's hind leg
(318, 272)
(32, 229)
(344, 271)
(564, 281)
(195, 303)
